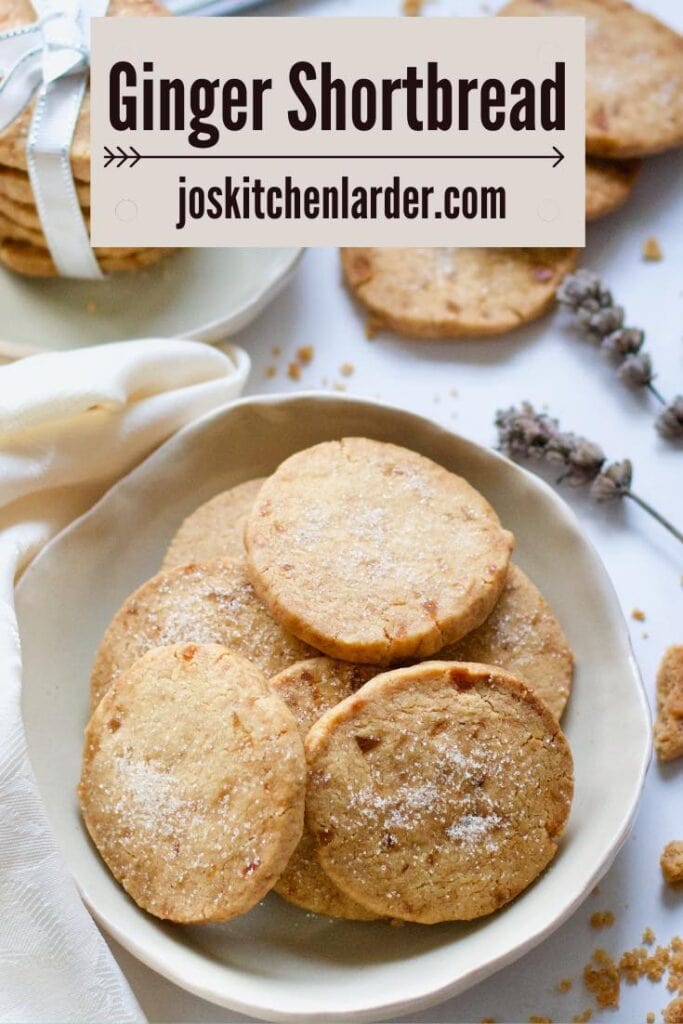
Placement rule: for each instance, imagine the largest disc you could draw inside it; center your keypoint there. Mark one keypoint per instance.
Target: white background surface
(547, 364)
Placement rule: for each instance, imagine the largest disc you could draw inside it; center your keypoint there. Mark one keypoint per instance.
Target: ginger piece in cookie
(669, 723)
(672, 862)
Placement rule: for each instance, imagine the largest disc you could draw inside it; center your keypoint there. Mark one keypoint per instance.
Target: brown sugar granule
(652, 249)
(601, 978)
(540, 1020)
(564, 985)
(673, 1014)
(347, 369)
(638, 615)
(411, 8)
(650, 1018)
(648, 936)
(294, 371)
(488, 1020)
(305, 354)
(672, 862)
(270, 372)
(669, 722)
(602, 919)
(582, 1018)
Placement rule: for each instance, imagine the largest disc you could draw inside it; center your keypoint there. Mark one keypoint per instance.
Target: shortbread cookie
(669, 723)
(203, 603)
(309, 689)
(522, 636)
(16, 186)
(13, 14)
(373, 553)
(634, 75)
(215, 529)
(672, 862)
(21, 232)
(452, 293)
(438, 792)
(609, 183)
(31, 261)
(673, 1011)
(192, 785)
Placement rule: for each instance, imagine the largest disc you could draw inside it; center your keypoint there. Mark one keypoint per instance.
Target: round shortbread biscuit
(523, 637)
(373, 553)
(202, 603)
(16, 231)
(216, 528)
(634, 75)
(309, 689)
(192, 785)
(16, 186)
(609, 183)
(453, 293)
(31, 261)
(438, 792)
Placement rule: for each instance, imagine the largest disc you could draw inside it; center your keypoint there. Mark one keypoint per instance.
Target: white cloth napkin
(71, 423)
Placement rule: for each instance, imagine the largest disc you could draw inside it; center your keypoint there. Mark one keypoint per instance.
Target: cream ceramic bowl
(277, 962)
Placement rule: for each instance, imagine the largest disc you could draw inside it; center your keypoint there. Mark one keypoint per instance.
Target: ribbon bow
(51, 57)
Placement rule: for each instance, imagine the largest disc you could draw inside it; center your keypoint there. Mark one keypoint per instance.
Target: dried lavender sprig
(602, 322)
(525, 433)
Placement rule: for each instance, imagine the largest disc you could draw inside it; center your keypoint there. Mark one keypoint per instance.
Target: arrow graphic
(131, 157)
(121, 156)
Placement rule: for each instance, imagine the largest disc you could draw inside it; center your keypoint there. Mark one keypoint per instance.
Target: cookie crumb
(305, 354)
(673, 1014)
(638, 615)
(276, 351)
(411, 8)
(270, 372)
(338, 386)
(582, 1018)
(602, 919)
(91, 307)
(564, 985)
(294, 371)
(648, 936)
(650, 1018)
(488, 1020)
(652, 251)
(540, 1020)
(347, 369)
(601, 978)
(671, 862)
(669, 721)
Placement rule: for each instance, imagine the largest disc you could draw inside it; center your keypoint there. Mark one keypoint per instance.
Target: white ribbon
(51, 56)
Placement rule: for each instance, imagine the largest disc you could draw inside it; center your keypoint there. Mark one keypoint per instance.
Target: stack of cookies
(634, 108)
(23, 247)
(338, 687)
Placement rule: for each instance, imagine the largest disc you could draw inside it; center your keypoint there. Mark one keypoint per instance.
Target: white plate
(278, 962)
(207, 294)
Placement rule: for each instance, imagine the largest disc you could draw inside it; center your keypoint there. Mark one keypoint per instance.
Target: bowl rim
(380, 1008)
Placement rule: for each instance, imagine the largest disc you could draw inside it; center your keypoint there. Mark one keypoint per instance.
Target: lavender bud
(613, 482)
(669, 423)
(636, 370)
(624, 342)
(583, 290)
(586, 459)
(603, 322)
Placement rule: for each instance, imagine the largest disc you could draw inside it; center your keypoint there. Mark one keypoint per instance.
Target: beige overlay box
(387, 181)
